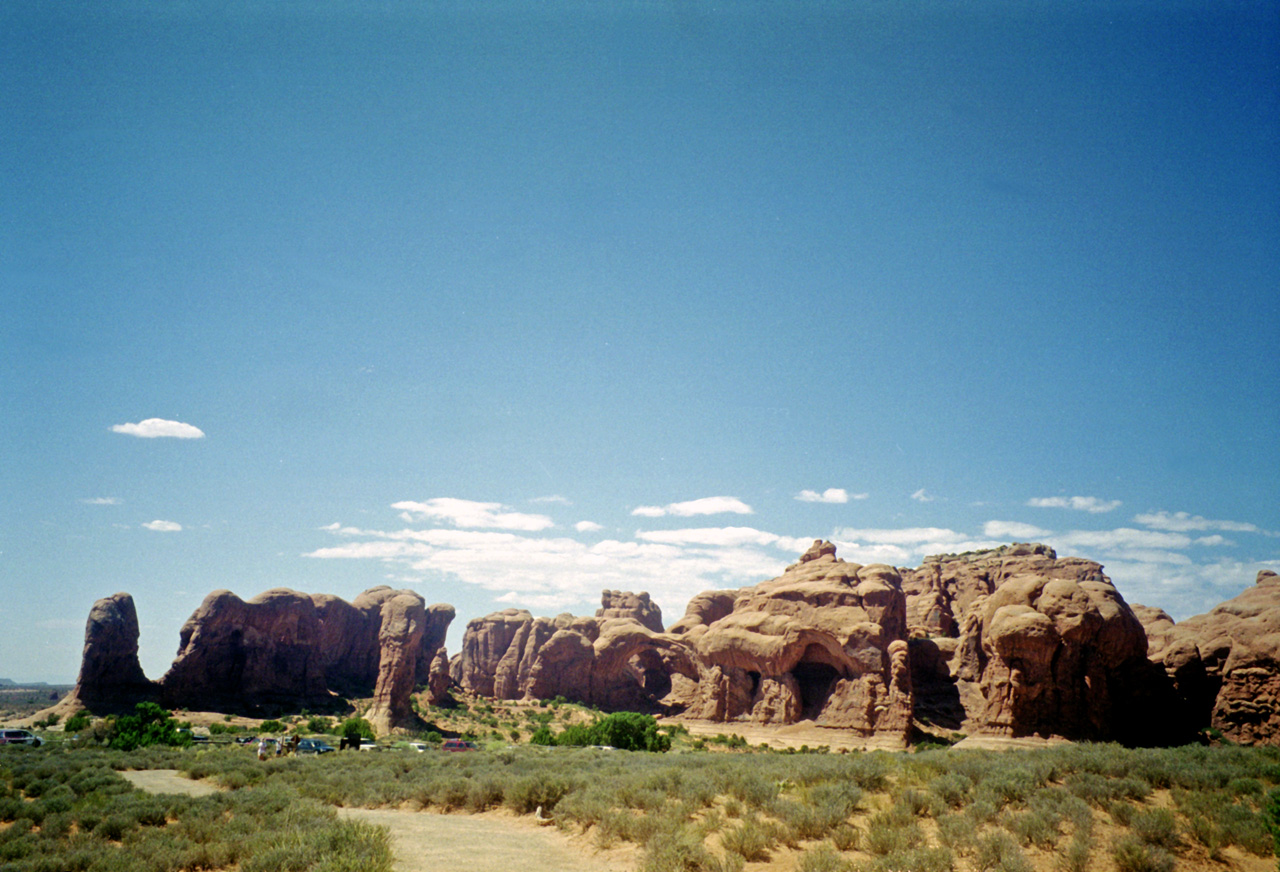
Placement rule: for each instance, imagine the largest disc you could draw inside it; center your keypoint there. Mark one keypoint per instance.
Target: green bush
(77, 722)
(148, 725)
(1133, 855)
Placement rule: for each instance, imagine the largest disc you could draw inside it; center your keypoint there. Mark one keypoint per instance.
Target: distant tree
(77, 722)
(148, 725)
(357, 729)
(272, 726)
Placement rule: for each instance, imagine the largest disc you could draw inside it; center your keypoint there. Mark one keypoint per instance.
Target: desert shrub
(822, 858)
(846, 837)
(914, 860)
(952, 788)
(1121, 812)
(890, 833)
(751, 839)
(1131, 854)
(998, 852)
(680, 849)
(1157, 826)
(1076, 858)
(273, 726)
(527, 793)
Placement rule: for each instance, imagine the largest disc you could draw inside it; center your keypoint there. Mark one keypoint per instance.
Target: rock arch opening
(815, 678)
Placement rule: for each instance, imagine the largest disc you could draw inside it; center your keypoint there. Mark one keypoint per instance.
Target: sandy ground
(429, 842)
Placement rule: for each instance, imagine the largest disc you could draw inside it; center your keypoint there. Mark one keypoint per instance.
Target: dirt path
(168, 781)
(429, 842)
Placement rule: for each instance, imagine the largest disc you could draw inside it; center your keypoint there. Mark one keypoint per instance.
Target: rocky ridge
(281, 651)
(1224, 666)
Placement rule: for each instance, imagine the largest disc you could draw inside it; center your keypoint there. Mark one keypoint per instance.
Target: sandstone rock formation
(1225, 665)
(281, 651)
(612, 662)
(1017, 642)
(265, 652)
(825, 641)
(404, 619)
(624, 604)
(111, 679)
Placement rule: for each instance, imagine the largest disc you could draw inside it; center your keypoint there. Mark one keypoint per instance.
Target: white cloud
(1213, 540)
(1093, 505)
(1183, 589)
(725, 537)
(900, 536)
(704, 506)
(469, 513)
(102, 501)
(830, 495)
(1122, 537)
(553, 498)
(1181, 522)
(588, 527)
(163, 526)
(1013, 530)
(154, 428)
(545, 573)
(922, 496)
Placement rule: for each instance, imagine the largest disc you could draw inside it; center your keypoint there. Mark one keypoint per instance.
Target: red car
(458, 745)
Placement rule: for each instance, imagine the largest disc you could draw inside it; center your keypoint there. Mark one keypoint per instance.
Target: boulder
(1225, 665)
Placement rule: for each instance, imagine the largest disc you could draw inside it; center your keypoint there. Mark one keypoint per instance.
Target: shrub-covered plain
(1070, 807)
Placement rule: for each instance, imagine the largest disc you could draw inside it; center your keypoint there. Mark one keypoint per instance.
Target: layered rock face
(1018, 642)
(637, 606)
(109, 668)
(825, 641)
(280, 651)
(1225, 665)
(615, 660)
(265, 652)
(288, 650)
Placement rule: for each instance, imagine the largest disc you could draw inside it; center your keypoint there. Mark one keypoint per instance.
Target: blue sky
(513, 305)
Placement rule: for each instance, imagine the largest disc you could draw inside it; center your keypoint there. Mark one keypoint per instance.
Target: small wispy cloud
(1093, 505)
(163, 526)
(704, 506)
(588, 527)
(1182, 522)
(923, 496)
(159, 428)
(469, 513)
(724, 537)
(1012, 530)
(830, 495)
(102, 501)
(553, 498)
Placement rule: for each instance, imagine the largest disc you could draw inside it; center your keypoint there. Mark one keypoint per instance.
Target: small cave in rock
(651, 674)
(816, 678)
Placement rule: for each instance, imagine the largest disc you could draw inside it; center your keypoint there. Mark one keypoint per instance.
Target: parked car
(314, 746)
(20, 737)
(420, 747)
(369, 745)
(458, 745)
(246, 740)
